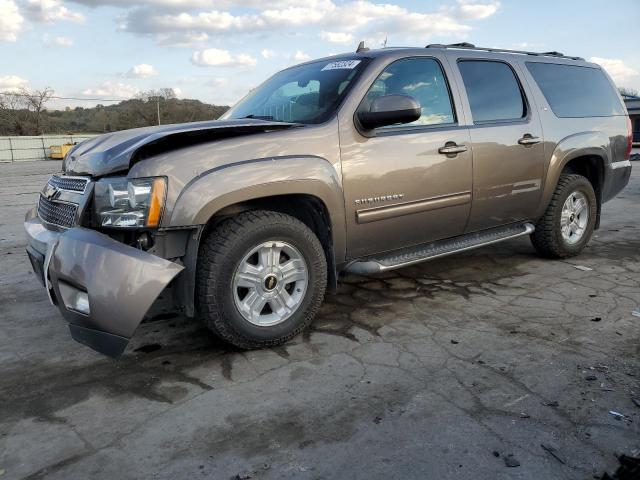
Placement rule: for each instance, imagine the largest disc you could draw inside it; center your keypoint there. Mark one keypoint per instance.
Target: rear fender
(578, 145)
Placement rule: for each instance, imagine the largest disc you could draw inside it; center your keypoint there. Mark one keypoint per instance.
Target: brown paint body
(495, 182)
(383, 189)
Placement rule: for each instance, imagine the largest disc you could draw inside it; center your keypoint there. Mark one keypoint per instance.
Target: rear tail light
(627, 152)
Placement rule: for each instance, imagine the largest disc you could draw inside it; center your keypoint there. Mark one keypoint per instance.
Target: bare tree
(35, 101)
(168, 93)
(631, 92)
(18, 113)
(154, 95)
(14, 113)
(155, 104)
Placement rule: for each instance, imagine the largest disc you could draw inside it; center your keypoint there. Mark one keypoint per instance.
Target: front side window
(308, 93)
(420, 78)
(493, 91)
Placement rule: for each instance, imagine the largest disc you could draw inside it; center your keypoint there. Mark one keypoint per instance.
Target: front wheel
(261, 278)
(568, 222)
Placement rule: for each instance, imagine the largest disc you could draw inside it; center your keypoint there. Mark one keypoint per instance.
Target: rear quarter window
(576, 91)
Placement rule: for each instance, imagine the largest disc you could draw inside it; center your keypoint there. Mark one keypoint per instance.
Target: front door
(508, 152)
(401, 188)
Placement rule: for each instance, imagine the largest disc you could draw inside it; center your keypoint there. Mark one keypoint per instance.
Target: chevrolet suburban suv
(358, 163)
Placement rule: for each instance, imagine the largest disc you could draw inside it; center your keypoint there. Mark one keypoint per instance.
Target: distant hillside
(140, 112)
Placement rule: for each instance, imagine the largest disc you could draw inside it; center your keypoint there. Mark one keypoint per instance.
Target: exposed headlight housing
(129, 203)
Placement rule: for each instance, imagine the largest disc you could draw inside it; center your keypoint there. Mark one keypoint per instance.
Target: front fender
(571, 147)
(242, 181)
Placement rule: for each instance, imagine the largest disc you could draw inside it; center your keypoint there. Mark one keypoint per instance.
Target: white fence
(19, 149)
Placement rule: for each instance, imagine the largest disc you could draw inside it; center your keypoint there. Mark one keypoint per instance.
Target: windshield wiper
(269, 118)
(260, 117)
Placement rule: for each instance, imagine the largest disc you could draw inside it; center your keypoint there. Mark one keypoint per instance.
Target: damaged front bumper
(102, 287)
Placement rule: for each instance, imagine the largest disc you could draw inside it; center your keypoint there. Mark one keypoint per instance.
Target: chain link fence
(24, 149)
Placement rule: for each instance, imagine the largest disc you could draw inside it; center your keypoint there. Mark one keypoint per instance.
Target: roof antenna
(361, 47)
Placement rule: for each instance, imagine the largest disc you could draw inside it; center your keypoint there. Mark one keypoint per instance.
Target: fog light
(74, 298)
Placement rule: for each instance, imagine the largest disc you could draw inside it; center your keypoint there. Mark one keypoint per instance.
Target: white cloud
(266, 53)
(336, 37)
(218, 82)
(622, 74)
(338, 21)
(112, 90)
(300, 56)
(10, 83)
(182, 39)
(214, 21)
(527, 45)
(472, 10)
(182, 5)
(63, 41)
(143, 70)
(10, 21)
(57, 41)
(171, 4)
(294, 14)
(49, 11)
(214, 57)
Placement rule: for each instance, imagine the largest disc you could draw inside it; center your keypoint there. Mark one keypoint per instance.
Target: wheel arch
(309, 209)
(585, 153)
(308, 188)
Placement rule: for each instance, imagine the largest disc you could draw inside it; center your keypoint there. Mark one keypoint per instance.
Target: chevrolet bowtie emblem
(49, 191)
(270, 282)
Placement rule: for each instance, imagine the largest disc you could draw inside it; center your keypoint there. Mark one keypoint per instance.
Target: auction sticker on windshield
(343, 64)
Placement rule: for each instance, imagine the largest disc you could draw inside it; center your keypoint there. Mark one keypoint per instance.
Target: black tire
(547, 237)
(220, 253)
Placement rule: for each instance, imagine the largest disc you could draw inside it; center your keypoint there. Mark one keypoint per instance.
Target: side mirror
(390, 110)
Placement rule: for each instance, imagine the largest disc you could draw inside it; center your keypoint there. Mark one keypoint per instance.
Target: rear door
(506, 136)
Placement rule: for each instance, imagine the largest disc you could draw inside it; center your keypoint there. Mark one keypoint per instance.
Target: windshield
(308, 93)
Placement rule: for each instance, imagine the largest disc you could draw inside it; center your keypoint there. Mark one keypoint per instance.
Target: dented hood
(116, 152)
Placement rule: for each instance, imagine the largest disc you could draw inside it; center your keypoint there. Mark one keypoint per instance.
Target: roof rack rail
(470, 46)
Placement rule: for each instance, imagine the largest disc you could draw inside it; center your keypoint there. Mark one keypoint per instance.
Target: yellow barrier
(59, 151)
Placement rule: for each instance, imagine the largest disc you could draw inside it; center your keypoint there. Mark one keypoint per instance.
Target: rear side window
(493, 91)
(576, 91)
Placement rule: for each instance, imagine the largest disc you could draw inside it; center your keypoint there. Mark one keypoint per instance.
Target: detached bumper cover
(121, 282)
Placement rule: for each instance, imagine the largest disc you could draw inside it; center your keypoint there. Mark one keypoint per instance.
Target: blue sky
(215, 50)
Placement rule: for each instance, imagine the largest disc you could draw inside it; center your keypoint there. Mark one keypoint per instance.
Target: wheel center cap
(270, 282)
(573, 217)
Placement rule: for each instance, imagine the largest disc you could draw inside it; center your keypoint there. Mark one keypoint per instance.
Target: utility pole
(158, 105)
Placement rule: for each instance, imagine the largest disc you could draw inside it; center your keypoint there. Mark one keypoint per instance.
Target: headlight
(124, 203)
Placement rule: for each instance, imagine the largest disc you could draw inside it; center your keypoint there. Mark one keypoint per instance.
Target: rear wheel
(261, 278)
(568, 222)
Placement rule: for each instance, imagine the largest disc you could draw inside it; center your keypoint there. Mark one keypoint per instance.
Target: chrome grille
(70, 184)
(57, 213)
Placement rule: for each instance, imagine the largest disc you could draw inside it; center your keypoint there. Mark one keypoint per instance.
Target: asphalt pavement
(492, 364)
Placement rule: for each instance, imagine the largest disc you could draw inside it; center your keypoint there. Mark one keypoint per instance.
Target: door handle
(528, 139)
(451, 148)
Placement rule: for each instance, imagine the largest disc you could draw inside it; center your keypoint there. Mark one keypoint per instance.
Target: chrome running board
(440, 248)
